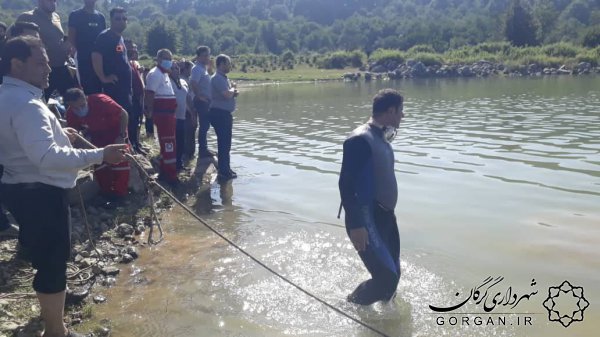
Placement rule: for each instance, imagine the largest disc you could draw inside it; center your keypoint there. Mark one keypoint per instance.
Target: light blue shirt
(33, 146)
(221, 83)
(201, 78)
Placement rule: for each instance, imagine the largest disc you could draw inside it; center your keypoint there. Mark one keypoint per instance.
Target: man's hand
(72, 134)
(359, 238)
(110, 79)
(115, 153)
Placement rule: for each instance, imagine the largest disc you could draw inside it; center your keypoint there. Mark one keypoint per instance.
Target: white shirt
(160, 84)
(181, 97)
(33, 146)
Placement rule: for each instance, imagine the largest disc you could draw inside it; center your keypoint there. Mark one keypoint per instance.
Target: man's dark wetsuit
(369, 194)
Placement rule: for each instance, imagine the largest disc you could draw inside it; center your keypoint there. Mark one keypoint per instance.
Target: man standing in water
(40, 165)
(369, 193)
(223, 94)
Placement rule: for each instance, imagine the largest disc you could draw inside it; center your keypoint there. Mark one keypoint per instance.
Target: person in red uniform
(104, 122)
(160, 106)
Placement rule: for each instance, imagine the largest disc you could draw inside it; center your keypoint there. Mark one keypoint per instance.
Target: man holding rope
(369, 194)
(104, 122)
(40, 165)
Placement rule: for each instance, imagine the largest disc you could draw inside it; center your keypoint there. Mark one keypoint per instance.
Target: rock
(75, 296)
(418, 70)
(99, 299)
(109, 282)
(112, 252)
(533, 69)
(103, 332)
(126, 258)
(583, 68)
(87, 262)
(110, 271)
(131, 251)
(379, 69)
(97, 270)
(125, 229)
(140, 228)
(466, 71)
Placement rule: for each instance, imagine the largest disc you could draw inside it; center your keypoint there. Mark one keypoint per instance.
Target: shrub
(342, 59)
(561, 49)
(421, 48)
(385, 55)
(429, 59)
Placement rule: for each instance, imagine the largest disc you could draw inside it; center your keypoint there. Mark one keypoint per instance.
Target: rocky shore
(117, 237)
(119, 234)
(416, 69)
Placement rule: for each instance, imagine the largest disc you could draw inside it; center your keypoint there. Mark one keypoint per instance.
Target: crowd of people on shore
(57, 87)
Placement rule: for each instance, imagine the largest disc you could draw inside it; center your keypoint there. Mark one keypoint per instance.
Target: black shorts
(44, 218)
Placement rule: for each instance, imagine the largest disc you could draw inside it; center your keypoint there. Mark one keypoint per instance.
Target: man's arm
(123, 123)
(220, 84)
(357, 155)
(197, 91)
(35, 135)
(72, 36)
(98, 63)
(72, 31)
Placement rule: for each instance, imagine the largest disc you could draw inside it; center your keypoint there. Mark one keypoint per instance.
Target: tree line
(322, 26)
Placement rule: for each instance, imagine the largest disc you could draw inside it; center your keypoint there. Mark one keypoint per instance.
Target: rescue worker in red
(104, 122)
(160, 106)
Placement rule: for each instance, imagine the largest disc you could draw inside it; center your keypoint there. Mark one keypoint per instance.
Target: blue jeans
(204, 120)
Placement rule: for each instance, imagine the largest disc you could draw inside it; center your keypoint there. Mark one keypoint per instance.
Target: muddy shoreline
(119, 234)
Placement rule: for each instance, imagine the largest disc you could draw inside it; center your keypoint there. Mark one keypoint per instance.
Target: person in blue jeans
(201, 92)
(223, 104)
(369, 194)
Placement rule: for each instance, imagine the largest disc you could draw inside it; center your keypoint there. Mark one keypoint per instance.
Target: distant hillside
(274, 26)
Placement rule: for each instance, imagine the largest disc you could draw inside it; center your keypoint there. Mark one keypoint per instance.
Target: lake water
(496, 177)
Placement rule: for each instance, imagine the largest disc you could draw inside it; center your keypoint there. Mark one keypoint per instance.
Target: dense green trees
(317, 26)
(520, 28)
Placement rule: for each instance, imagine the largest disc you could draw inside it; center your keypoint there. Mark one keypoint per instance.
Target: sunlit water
(496, 178)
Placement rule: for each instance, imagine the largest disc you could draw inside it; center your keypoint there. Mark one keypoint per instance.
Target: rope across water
(152, 182)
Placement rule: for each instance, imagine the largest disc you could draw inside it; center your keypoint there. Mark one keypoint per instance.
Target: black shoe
(224, 177)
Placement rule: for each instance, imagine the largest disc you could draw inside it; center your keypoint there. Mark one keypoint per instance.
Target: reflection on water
(496, 178)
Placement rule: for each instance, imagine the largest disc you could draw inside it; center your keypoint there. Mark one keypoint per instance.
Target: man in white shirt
(160, 106)
(40, 165)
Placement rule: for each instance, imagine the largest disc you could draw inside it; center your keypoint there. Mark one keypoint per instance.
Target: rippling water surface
(496, 178)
